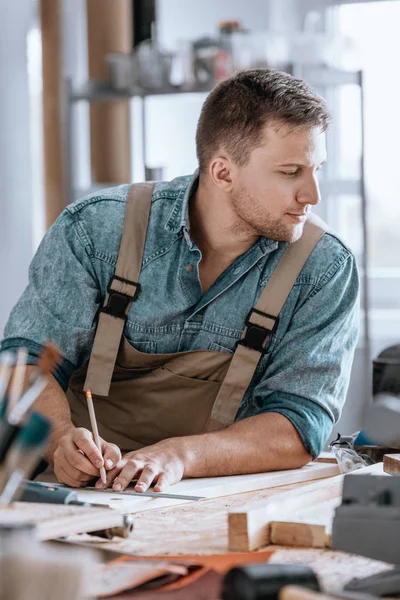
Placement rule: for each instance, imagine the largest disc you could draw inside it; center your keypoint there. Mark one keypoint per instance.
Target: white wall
(15, 156)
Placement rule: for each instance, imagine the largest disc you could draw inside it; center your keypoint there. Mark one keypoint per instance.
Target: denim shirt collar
(179, 217)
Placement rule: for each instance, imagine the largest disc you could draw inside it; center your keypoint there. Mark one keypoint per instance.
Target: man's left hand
(161, 464)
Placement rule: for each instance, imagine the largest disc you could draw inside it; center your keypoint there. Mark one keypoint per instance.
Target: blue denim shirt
(304, 375)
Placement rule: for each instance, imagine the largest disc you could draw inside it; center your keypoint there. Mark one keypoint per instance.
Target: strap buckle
(257, 336)
(118, 302)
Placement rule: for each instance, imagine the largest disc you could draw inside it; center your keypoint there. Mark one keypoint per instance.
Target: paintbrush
(6, 361)
(18, 379)
(95, 431)
(23, 457)
(48, 360)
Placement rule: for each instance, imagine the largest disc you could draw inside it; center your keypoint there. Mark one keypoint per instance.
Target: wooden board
(310, 528)
(326, 456)
(391, 464)
(60, 520)
(211, 487)
(249, 526)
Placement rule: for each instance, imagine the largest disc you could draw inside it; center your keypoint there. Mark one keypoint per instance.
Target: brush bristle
(49, 358)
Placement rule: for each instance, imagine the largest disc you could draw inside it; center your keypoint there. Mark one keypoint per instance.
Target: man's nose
(309, 192)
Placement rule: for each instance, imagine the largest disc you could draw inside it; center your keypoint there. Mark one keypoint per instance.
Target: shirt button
(236, 271)
(189, 268)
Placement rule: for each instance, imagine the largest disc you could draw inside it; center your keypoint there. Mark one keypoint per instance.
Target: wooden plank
(59, 520)
(249, 526)
(310, 528)
(326, 457)
(391, 464)
(211, 487)
(296, 592)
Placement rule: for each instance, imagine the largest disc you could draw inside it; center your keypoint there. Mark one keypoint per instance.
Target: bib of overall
(143, 398)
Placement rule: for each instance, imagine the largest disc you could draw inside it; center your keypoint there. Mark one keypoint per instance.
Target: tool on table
(368, 520)
(123, 531)
(386, 583)
(263, 581)
(23, 457)
(34, 491)
(95, 431)
(131, 492)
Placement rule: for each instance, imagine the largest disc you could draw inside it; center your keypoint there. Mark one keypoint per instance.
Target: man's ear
(221, 172)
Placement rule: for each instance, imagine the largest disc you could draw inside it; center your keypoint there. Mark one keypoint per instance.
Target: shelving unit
(96, 91)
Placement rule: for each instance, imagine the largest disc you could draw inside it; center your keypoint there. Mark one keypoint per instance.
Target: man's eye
(289, 173)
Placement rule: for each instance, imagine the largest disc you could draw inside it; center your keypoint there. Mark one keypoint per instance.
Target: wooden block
(308, 535)
(327, 457)
(295, 592)
(310, 528)
(391, 464)
(249, 526)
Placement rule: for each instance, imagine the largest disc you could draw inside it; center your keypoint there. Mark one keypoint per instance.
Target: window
(374, 28)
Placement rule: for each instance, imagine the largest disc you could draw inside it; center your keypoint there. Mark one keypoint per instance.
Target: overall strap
(121, 291)
(261, 322)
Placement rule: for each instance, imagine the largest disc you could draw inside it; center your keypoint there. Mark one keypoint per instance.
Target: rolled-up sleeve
(307, 376)
(61, 300)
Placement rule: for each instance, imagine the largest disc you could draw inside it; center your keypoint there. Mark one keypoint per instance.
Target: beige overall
(143, 398)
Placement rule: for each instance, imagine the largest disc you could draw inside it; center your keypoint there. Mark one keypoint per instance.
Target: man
(226, 365)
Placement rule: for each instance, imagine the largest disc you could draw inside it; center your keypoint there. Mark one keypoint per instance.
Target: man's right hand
(77, 459)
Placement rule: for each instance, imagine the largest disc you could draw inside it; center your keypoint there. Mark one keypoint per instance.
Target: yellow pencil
(95, 431)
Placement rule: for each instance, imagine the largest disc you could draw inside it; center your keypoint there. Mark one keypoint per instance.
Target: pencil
(95, 431)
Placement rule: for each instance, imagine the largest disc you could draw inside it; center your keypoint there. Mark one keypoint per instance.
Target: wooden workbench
(201, 528)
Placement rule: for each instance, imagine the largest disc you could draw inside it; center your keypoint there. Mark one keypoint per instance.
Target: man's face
(274, 191)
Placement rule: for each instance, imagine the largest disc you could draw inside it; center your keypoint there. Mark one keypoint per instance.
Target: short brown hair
(236, 110)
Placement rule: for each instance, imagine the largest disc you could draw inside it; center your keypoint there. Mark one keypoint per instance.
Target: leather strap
(121, 291)
(261, 323)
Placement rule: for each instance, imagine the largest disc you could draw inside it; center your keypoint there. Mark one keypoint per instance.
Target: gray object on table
(368, 520)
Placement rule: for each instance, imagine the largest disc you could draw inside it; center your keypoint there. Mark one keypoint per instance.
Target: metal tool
(368, 520)
(123, 531)
(33, 491)
(262, 581)
(132, 493)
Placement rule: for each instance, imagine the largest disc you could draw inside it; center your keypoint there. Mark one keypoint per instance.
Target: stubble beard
(252, 219)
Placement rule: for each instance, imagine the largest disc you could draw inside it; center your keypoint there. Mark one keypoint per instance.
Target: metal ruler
(127, 492)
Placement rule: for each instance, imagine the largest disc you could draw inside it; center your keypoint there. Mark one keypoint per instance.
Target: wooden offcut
(249, 526)
(110, 29)
(310, 528)
(326, 456)
(391, 464)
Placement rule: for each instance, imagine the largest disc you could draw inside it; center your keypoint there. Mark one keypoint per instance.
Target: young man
(221, 330)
